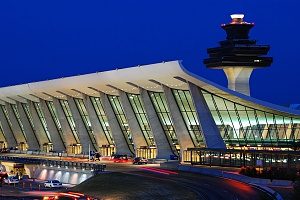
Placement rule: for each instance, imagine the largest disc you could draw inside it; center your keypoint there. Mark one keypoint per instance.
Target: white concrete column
(69, 138)
(9, 136)
(163, 145)
(122, 147)
(211, 133)
(265, 132)
(83, 134)
(183, 135)
(38, 126)
(15, 125)
(289, 131)
(32, 141)
(57, 139)
(96, 126)
(135, 129)
(238, 79)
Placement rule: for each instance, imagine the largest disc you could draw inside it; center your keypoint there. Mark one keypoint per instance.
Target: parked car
(53, 184)
(11, 180)
(140, 160)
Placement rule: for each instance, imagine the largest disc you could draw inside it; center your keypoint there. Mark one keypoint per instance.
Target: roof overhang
(171, 74)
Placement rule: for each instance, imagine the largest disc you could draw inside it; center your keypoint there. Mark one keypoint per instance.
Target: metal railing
(97, 167)
(241, 158)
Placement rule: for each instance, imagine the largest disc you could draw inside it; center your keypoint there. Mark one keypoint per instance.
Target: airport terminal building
(155, 111)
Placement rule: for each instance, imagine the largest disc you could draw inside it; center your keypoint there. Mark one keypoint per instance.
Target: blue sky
(42, 40)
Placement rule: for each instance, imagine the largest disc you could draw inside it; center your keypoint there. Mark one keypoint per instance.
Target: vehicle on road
(140, 160)
(120, 158)
(11, 180)
(53, 184)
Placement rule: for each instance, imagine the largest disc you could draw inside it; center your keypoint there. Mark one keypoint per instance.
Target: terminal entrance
(18, 170)
(22, 146)
(14, 169)
(107, 150)
(3, 145)
(74, 149)
(48, 147)
(146, 152)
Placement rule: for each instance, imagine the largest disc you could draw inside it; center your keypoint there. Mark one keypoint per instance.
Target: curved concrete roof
(171, 74)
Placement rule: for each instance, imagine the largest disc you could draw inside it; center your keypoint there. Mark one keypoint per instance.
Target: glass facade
(120, 114)
(86, 120)
(140, 113)
(160, 104)
(189, 114)
(2, 136)
(67, 111)
(29, 117)
(17, 115)
(53, 113)
(7, 118)
(97, 104)
(37, 107)
(242, 125)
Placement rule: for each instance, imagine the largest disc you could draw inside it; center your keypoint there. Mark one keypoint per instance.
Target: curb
(226, 175)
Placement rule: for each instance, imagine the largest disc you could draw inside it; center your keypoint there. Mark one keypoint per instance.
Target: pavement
(206, 184)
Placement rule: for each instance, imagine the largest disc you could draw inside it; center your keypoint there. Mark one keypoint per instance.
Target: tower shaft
(238, 79)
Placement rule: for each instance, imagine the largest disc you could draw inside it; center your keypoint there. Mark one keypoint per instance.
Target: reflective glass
(185, 103)
(120, 114)
(102, 118)
(17, 115)
(249, 126)
(67, 111)
(86, 120)
(160, 105)
(140, 113)
(41, 116)
(54, 116)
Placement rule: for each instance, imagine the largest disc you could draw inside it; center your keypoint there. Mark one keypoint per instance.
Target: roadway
(204, 187)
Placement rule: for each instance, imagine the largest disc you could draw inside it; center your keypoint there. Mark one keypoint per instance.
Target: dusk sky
(43, 40)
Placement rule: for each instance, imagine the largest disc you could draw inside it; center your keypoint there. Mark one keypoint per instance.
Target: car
(140, 160)
(120, 158)
(11, 180)
(53, 184)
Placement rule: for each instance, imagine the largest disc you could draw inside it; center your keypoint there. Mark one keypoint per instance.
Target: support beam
(265, 132)
(135, 129)
(83, 134)
(211, 133)
(183, 135)
(32, 141)
(163, 146)
(121, 143)
(16, 129)
(57, 139)
(96, 126)
(9, 136)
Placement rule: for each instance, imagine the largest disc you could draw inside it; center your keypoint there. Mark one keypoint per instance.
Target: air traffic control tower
(238, 55)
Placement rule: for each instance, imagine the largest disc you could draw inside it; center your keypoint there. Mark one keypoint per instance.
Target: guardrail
(96, 167)
(74, 165)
